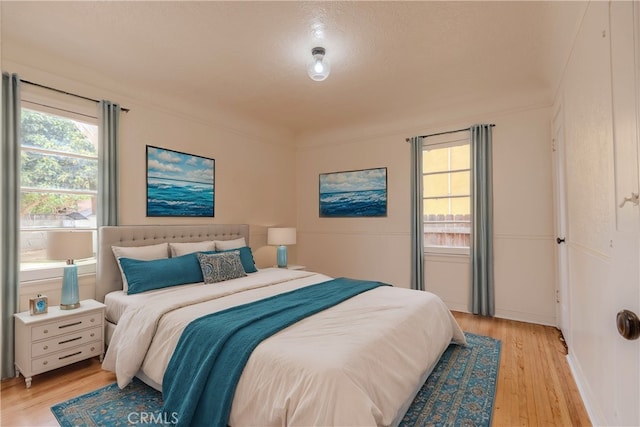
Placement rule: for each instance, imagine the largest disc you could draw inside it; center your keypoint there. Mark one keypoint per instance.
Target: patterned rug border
(474, 366)
(440, 400)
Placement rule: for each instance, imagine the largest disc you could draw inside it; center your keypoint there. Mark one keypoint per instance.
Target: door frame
(563, 309)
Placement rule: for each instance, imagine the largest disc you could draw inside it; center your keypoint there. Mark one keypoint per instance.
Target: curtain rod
(126, 110)
(445, 133)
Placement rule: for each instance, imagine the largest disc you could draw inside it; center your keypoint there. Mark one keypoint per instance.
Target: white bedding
(117, 302)
(357, 363)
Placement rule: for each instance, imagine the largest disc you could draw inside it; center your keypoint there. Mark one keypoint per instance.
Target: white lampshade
(281, 236)
(69, 244)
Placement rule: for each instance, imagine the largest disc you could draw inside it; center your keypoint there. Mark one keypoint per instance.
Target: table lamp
(281, 237)
(69, 245)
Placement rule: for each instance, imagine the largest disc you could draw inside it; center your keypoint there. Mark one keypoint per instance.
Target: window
(58, 183)
(446, 195)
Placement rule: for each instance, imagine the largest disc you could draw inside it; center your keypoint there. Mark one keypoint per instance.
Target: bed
(359, 362)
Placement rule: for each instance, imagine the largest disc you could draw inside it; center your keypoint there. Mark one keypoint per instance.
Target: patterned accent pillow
(222, 266)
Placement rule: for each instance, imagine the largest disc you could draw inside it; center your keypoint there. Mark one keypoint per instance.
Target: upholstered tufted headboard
(108, 278)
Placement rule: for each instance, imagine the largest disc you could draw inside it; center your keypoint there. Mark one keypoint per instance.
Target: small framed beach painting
(358, 193)
(179, 184)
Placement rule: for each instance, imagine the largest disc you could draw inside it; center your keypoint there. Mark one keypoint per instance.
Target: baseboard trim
(518, 317)
(595, 416)
(527, 317)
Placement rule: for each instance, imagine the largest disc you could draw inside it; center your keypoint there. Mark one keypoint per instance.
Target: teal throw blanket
(202, 375)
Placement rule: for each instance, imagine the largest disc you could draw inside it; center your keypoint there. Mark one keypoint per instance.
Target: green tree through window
(58, 178)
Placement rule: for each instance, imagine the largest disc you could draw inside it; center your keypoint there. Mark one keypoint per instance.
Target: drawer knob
(93, 320)
(46, 331)
(46, 347)
(93, 334)
(45, 362)
(93, 348)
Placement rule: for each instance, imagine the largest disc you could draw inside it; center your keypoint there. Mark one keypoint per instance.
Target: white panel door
(625, 243)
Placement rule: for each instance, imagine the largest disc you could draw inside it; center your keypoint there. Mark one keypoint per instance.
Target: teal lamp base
(70, 293)
(282, 256)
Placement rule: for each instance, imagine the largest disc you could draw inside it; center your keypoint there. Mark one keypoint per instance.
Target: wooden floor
(535, 386)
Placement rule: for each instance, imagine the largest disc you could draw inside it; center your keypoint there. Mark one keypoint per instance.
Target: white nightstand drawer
(65, 326)
(52, 345)
(58, 338)
(67, 357)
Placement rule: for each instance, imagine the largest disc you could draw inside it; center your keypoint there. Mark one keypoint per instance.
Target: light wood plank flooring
(535, 386)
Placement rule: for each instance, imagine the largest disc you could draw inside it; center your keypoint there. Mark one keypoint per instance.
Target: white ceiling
(387, 58)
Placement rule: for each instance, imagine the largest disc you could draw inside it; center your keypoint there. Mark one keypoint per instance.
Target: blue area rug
(462, 387)
(459, 392)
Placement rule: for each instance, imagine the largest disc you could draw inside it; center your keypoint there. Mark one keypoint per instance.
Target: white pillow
(179, 249)
(146, 253)
(224, 245)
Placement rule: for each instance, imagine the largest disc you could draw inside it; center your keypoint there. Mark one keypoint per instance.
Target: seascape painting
(361, 193)
(179, 184)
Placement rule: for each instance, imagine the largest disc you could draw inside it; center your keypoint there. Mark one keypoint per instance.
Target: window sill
(54, 272)
(440, 251)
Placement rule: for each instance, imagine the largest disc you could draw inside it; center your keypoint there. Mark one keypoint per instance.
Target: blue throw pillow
(246, 258)
(160, 273)
(218, 267)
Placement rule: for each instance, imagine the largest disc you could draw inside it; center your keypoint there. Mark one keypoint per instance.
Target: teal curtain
(108, 163)
(482, 276)
(10, 222)
(417, 216)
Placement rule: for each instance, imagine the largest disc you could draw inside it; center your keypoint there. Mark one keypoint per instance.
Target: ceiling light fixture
(318, 69)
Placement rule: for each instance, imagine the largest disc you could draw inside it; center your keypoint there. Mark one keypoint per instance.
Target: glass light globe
(318, 68)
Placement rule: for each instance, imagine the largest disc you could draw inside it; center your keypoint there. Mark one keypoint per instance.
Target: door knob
(559, 240)
(628, 324)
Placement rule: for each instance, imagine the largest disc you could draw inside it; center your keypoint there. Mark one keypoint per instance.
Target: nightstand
(58, 338)
(293, 267)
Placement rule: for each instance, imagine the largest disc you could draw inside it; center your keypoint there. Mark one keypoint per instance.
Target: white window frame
(49, 103)
(447, 141)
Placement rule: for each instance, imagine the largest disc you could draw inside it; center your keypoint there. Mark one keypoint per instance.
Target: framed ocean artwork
(179, 184)
(359, 193)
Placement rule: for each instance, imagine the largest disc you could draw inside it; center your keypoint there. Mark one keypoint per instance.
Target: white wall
(523, 217)
(254, 176)
(378, 248)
